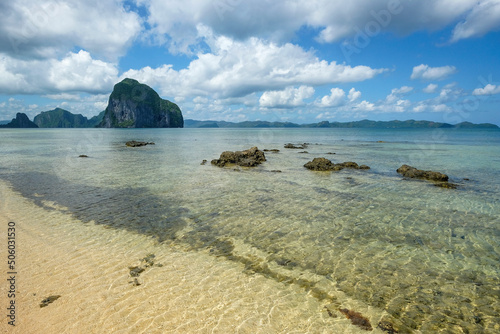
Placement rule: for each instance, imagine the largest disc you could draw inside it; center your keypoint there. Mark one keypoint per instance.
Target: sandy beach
(88, 266)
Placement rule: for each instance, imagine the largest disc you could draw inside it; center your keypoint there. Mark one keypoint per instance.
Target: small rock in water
(323, 164)
(49, 300)
(299, 146)
(134, 143)
(83, 156)
(136, 271)
(387, 326)
(412, 172)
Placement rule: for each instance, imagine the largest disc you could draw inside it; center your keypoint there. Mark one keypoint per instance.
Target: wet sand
(190, 292)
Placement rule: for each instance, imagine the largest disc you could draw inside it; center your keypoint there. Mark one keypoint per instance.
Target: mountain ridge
(395, 124)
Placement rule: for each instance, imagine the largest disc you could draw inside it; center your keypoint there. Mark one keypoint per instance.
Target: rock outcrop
(248, 158)
(323, 164)
(439, 179)
(412, 172)
(135, 105)
(21, 121)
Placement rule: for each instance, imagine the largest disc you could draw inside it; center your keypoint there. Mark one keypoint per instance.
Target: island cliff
(136, 105)
(21, 121)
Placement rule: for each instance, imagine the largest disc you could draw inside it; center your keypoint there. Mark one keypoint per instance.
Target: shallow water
(401, 251)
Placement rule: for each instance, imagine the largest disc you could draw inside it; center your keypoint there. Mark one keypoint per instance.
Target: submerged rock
(248, 158)
(323, 164)
(446, 185)
(357, 319)
(134, 143)
(49, 300)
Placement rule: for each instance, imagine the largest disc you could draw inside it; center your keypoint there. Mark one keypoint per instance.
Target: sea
(407, 255)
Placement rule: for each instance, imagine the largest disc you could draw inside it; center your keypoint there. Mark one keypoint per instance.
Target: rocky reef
(248, 158)
(323, 164)
(136, 105)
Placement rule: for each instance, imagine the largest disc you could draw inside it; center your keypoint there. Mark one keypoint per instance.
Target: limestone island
(136, 105)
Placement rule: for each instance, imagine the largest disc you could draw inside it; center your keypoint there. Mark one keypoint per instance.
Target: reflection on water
(427, 258)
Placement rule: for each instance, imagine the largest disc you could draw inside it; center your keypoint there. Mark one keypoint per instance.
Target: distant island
(410, 124)
(130, 105)
(136, 105)
(60, 118)
(21, 121)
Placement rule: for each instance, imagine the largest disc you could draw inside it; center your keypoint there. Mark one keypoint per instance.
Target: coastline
(88, 266)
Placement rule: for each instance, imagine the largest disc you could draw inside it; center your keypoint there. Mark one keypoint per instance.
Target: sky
(234, 60)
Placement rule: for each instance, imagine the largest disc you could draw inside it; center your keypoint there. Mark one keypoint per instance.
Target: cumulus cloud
(239, 68)
(353, 95)
(431, 88)
(76, 72)
(290, 97)
(174, 23)
(425, 72)
(335, 99)
(44, 29)
(396, 93)
(483, 18)
(489, 89)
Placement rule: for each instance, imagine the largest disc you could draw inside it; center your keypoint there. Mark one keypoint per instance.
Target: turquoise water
(428, 257)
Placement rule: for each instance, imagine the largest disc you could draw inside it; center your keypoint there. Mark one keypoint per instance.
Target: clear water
(427, 258)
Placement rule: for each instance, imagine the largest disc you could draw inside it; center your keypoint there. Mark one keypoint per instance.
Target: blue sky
(235, 60)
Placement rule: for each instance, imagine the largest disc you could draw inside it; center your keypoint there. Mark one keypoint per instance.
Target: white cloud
(353, 95)
(290, 97)
(440, 108)
(396, 93)
(236, 69)
(174, 22)
(431, 88)
(45, 29)
(425, 72)
(76, 72)
(489, 89)
(79, 72)
(365, 106)
(484, 17)
(335, 99)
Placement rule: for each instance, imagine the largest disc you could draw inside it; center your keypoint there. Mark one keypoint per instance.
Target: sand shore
(88, 266)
